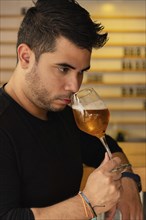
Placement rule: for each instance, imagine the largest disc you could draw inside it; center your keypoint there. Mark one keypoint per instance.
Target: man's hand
(103, 186)
(129, 204)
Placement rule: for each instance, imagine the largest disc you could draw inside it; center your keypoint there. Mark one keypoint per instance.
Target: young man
(41, 148)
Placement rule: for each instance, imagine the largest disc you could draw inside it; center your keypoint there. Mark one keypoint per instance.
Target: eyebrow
(72, 67)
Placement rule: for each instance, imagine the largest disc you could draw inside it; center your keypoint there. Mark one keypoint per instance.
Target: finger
(125, 215)
(130, 215)
(119, 185)
(106, 159)
(116, 175)
(113, 163)
(136, 215)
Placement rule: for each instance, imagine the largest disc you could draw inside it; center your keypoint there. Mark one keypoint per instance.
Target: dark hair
(50, 19)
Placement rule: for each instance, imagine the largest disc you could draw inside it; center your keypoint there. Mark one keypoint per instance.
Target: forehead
(66, 51)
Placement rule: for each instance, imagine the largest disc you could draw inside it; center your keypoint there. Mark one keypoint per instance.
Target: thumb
(106, 159)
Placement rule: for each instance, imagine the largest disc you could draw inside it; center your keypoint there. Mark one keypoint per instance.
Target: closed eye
(63, 69)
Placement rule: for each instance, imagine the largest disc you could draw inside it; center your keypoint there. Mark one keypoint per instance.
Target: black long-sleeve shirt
(41, 161)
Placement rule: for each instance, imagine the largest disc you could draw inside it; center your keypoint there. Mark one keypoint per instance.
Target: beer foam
(99, 104)
(77, 105)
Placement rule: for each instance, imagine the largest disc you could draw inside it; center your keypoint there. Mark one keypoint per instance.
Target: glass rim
(89, 90)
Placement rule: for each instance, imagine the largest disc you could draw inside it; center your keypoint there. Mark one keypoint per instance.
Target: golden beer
(93, 122)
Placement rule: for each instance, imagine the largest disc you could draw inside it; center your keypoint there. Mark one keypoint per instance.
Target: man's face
(57, 75)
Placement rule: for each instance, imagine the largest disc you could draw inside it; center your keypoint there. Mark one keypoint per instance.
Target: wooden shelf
(8, 29)
(6, 69)
(8, 43)
(95, 70)
(123, 44)
(106, 30)
(118, 44)
(93, 16)
(96, 56)
(113, 83)
(117, 17)
(124, 97)
(124, 31)
(127, 109)
(8, 56)
(127, 122)
(11, 16)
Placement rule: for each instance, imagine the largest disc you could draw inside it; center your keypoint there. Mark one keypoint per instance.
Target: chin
(57, 109)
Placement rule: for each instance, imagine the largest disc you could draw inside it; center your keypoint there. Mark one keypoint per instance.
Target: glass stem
(104, 142)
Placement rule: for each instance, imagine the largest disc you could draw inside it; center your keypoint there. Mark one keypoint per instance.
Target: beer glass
(92, 116)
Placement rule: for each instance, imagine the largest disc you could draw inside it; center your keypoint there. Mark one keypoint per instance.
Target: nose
(72, 84)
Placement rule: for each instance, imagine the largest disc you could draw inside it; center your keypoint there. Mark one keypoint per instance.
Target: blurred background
(118, 70)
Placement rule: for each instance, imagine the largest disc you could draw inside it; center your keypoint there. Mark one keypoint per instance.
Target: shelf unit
(128, 113)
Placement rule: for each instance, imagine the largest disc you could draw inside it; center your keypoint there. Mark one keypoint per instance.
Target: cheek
(52, 81)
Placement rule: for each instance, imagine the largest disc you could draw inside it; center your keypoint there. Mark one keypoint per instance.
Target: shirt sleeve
(10, 204)
(93, 150)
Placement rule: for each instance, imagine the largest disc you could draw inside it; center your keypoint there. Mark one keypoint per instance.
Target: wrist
(89, 210)
(135, 177)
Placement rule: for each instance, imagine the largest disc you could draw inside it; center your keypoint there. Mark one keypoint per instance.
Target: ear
(24, 55)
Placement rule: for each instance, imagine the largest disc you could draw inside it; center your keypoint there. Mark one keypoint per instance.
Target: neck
(17, 94)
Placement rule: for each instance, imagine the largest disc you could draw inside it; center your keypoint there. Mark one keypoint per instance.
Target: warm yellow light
(107, 7)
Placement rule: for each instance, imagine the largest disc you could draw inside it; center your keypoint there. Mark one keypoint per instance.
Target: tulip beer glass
(91, 114)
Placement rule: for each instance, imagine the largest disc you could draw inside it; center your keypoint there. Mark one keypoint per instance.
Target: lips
(67, 101)
(63, 101)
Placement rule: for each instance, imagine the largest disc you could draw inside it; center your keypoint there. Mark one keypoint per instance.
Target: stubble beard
(38, 94)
